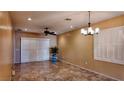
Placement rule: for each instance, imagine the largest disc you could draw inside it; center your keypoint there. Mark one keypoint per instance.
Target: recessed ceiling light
(71, 26)
(29, 19)
(26, 29)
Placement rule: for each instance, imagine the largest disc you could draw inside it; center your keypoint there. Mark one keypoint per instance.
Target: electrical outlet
(13, 72)
(85, 62)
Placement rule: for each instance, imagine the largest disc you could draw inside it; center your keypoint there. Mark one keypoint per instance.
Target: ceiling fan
(46, 32)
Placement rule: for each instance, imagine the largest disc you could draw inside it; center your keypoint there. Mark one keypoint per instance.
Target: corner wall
(6, 57)
(78, 49)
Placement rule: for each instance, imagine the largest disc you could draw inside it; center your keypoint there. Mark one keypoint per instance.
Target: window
(109, 45)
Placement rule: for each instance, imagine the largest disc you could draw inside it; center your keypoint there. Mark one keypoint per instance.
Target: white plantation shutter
(109, 45)
(34, 49)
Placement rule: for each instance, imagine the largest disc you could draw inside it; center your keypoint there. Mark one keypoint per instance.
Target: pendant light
(89, 30)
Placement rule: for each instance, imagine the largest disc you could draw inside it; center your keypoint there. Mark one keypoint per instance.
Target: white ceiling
(55, 20)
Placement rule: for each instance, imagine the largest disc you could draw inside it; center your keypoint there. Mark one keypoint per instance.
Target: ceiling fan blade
(46, 32)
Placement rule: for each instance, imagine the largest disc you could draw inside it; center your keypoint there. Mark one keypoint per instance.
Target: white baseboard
(89, 70)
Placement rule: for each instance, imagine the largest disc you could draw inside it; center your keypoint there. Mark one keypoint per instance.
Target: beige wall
(78, 49)
(18, 35)
(5, 46)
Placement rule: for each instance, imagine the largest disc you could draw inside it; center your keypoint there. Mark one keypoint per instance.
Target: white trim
(89, 70)
(102, 41)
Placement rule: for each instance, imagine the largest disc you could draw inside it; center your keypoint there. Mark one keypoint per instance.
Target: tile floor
(46, 71)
